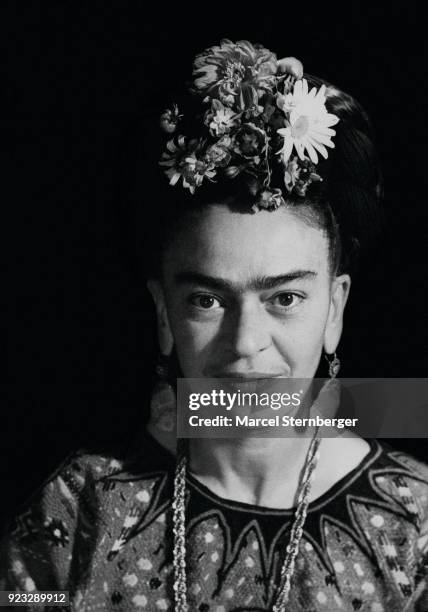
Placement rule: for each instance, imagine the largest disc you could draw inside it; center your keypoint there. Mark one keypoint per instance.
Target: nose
(250, 333)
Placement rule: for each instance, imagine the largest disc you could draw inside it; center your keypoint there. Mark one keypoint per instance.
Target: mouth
(253, 375)
(249, 382)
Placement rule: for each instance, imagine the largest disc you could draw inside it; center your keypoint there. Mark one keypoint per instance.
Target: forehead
(235, 246)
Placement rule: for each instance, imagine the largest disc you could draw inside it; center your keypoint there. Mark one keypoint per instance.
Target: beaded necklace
(287, 569)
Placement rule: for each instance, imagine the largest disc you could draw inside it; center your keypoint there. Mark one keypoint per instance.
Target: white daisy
(308, 123)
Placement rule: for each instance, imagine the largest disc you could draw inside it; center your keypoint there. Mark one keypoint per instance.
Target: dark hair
(346, 204)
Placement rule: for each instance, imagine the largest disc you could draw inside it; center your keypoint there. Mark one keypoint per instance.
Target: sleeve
(418, 500)
(421, 592)
(47, 542)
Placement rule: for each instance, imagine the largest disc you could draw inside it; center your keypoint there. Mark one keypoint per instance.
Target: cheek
(192, 336)
(303, 336)
(194, 342)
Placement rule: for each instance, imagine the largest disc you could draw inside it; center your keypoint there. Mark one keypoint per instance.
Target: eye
(205, 301)
(286, 300)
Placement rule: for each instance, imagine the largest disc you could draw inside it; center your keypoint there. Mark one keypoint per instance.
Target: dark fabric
(101, 528)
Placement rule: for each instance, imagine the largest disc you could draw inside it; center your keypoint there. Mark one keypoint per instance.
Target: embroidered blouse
(101, 528)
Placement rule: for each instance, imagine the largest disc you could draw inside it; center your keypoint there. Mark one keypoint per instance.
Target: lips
(248, 375)
(249, 382)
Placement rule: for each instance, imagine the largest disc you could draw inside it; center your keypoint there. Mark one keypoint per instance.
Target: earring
(333, 364)
(163, 401)
(162, 367)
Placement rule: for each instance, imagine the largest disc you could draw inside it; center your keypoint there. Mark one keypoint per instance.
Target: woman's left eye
(286, 300)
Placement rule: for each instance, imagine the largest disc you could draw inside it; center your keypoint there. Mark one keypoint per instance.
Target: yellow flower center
(300, 127)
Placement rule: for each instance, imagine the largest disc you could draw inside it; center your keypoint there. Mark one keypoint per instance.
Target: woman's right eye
(205, 301)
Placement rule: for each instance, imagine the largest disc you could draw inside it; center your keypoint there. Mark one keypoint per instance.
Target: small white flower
(308, 123)
(222, 121)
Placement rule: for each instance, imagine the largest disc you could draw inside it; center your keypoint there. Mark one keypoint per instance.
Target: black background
(82, 83)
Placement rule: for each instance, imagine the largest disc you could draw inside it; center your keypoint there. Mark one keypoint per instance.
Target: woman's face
(249, 295)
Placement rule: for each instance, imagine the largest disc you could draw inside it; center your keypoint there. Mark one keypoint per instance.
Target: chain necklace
(179, 528)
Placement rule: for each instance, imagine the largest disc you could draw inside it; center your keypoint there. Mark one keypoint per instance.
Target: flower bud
(291, 65)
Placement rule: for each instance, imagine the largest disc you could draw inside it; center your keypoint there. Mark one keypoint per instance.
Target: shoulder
(87, 481)
(404, 470)
(386, 495)
(403, 480)
(414, 465)
(399, 476)
(65, 520)
(411, 490)
(58, 519)
(65, 494)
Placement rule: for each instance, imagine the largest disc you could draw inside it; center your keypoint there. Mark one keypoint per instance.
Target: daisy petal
(325, 140)
(286, 150)
(311, 152)
(174, 178)
(330, 119)
(321, 94)
(305, 87)
(319, 147)
(318, 129)
(300, 149)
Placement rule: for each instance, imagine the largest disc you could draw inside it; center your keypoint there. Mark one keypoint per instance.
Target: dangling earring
(333, 364)
(163, 402)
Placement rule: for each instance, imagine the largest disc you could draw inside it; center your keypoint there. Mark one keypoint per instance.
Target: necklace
(179, 528)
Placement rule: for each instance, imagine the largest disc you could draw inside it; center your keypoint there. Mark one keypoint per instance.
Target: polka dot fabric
(101, 528)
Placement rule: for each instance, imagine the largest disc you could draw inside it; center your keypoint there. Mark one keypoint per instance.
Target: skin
(251, 295)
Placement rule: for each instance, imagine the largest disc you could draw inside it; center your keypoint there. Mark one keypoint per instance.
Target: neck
(262, 471)
(258, 471)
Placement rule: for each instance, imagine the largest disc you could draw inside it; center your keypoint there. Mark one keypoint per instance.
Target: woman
(273, 183)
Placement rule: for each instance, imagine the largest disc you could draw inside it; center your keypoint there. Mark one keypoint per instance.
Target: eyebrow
(190, 277)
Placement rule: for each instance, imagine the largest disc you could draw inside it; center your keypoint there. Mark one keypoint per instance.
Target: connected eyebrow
(257, 284)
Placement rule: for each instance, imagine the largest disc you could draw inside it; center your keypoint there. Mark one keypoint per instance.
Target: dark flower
(233, 171)
(218, 154)
(235, 73)
(169, 119)
(249, 142)
(220, 119)
(194, 170)
(269, 199)
(292, 173)
(183, 161)
(299, 174)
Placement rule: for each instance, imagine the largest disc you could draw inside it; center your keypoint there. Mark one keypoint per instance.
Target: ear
(338, 298)
(166, 340)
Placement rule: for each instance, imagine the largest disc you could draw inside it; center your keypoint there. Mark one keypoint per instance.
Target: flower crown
(258, 115)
